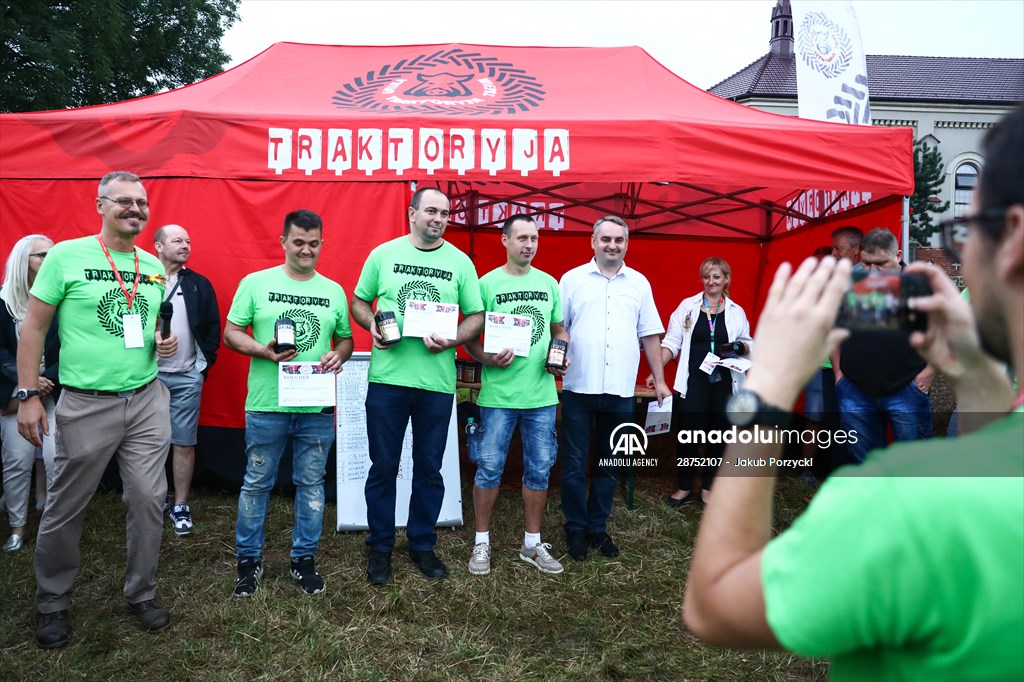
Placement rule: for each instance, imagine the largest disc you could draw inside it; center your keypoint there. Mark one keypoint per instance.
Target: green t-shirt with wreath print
(76, 277)
(318, 308)
(524, 384)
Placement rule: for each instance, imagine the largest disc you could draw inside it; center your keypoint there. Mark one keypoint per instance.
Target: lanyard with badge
(132, 322)
(710, 360)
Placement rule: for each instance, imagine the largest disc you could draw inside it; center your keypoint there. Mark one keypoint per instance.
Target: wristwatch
(24, 394)
(745, 409)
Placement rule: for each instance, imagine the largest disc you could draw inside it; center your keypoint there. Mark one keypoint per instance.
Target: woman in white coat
(704, 325)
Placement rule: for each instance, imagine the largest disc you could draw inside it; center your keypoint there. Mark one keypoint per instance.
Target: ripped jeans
(266, 435)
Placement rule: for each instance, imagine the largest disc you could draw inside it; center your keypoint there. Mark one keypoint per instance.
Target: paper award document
(659, 418)
(504, 330)
(736, 364)
(305, 384)
(423, 318)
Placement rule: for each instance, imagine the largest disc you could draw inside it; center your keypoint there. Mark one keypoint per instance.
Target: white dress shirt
(605, 319)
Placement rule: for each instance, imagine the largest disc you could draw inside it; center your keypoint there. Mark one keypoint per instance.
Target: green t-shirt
(320, 312)
(910, 567)
(77, 278)
(396, 271)
(524, 384)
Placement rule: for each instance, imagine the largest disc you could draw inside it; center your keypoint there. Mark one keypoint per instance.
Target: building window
(964, 182)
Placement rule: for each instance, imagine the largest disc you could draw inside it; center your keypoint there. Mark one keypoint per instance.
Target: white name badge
(708, 365)
(132, 330)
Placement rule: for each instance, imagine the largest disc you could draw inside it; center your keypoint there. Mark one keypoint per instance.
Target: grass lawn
(601, 619)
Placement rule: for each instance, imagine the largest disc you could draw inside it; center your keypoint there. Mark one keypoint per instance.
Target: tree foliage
(56, 54)
(928, 180)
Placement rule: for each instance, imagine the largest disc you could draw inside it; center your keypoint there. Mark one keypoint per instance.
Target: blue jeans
(909, 410)
(266, 435)
(581, 412)
(540, 445)
(388, 411)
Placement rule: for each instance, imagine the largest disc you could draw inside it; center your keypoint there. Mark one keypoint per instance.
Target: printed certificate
(305, 384)
(659, 418)
(504, 330)
(736, 364)
(423, 318)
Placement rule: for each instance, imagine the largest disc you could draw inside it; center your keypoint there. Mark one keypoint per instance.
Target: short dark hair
(853, 234)
(880, 239)
(506, 227)
(1000, 184)
(418, 194)
(822, 251)
(304, 219)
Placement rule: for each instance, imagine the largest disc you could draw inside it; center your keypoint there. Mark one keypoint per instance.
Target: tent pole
(766, 243)
(471, 220)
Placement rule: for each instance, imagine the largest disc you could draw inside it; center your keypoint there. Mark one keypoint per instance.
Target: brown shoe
(53, 629)
(152, 617)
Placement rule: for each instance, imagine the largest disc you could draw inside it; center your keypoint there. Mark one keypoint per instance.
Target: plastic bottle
(471, 427)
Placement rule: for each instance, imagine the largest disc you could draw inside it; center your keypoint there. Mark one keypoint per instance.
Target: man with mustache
(106, 293)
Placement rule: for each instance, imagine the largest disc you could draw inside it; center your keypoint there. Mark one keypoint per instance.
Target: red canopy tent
(569, 134)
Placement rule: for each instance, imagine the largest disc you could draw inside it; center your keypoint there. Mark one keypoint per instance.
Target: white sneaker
(181, 517)
(540, 556)
(480, 562)
(13, 544)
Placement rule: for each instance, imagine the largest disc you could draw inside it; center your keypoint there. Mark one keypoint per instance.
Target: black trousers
(703, 409)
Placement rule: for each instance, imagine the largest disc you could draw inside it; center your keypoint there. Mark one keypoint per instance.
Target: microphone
(166, 312)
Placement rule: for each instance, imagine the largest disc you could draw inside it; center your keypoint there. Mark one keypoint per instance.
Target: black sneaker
(378, 568)
(602, 543)
(53, 629)
(249, 572)
(152, 617)
(576, 544)
(306, 576)
(430, 566)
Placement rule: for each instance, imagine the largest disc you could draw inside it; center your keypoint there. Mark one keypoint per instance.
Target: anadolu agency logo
(446, 82)
(628, 445)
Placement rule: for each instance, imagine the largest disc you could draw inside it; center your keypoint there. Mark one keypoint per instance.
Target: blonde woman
(18, 454)
(707, 323)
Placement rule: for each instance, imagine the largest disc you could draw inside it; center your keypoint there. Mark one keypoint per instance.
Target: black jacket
(9, 356)
(203, 314)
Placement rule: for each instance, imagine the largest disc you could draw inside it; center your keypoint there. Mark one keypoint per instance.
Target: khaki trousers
(90, 431)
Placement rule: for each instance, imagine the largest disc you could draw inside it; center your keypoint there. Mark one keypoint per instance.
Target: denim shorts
(186, 391)
(540, 445)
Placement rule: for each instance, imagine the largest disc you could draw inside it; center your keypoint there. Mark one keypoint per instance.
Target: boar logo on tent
(447, 82)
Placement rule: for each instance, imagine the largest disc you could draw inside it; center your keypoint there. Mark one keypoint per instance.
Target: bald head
(173, 247)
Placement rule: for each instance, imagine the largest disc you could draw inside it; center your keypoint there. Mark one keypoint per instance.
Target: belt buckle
(126, 394)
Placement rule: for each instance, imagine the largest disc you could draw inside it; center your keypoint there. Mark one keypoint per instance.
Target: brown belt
(109, 394)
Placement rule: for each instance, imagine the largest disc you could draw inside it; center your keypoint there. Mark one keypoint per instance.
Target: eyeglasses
(125, 202)
(39, 254)
(955, 230)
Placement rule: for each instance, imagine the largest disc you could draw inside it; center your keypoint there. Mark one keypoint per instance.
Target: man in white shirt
(607, 308)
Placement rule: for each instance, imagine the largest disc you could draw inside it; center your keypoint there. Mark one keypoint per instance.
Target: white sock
(484, 537)
(531, 540)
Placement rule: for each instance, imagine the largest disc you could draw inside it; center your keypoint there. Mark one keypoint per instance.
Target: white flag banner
(831, 75)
